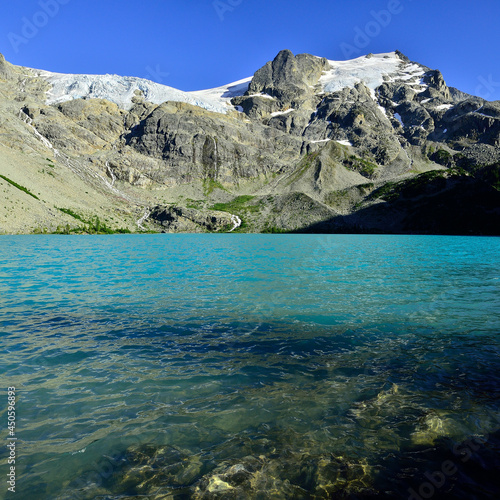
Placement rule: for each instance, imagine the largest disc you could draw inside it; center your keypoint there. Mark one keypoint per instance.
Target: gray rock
(198, 145)
(179, 219)
(457, 95)
(436, 83)
(288, 77)
(281, 152)
(256, 107)
(5, 71)
(353, 115)
(417, 120)
(473, 120)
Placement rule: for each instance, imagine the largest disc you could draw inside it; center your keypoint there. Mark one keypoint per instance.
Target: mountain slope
(305, 144)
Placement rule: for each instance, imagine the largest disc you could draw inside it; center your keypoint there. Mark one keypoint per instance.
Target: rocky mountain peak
(5, 71)
(305, 141)
(402, 56)
(288, 77)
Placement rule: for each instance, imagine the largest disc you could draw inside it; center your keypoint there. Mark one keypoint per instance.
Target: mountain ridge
(303, 131)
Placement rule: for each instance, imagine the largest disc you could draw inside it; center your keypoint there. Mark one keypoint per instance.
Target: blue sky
(195, 44)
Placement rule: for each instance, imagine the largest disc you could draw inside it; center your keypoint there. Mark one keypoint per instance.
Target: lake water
(251, 366)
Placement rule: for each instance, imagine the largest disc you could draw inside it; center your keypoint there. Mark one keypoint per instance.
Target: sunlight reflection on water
(181, 355)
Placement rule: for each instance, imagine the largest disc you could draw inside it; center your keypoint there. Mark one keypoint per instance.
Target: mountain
(375, 144)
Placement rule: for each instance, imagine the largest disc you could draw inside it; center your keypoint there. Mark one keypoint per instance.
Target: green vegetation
(442, 157)
(391, 191)
(243, 228)
(491, 175)
(237, 205)
(67, 229)
(48, 172)
(91, 226)
(364, 188)
(51, 163)
(435, 181)
(387, 192)
(70, 212)
(304, 165)
(456, 162)
(457, 170)
(209, 185)
(268, 229)
(334, 198)
(190, 203)
(361, 165)
(95, 226)
(18, 186)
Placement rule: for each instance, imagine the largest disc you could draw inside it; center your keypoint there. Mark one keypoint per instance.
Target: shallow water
(252, 366)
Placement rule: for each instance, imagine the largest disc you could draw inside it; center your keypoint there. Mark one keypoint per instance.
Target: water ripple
(276, 351)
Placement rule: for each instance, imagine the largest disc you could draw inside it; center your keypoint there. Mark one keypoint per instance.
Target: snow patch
(344, 143)
(373, 72)
(121, 90)
(278, 113)
(265, 96)
(486, 116)
(477, 112)
(399, 119)
(225, 93)
(322, 140)
(382, 109)
(444, 106)
(348, 73)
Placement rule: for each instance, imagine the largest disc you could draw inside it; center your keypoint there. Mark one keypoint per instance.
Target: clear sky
(195, 44)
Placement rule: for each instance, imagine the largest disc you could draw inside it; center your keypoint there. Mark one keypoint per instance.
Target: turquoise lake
(251, 366)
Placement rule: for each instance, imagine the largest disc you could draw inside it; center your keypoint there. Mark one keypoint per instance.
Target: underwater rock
(432, 427)
(217, 485)
(298, 476)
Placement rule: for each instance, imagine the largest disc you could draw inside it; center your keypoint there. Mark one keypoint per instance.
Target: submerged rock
(433, 426)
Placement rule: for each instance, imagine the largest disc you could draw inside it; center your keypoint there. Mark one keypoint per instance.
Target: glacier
(372, 70)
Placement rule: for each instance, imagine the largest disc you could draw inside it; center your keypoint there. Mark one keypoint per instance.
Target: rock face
(303, 146)
(177, 219)
(288, 78)
(5, 71)
(198, 146)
